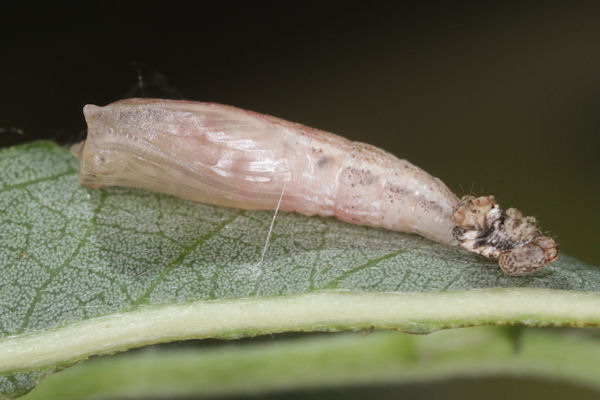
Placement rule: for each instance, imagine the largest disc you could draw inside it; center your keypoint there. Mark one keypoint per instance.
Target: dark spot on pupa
(429, 205)
(395, 190)
(322, 161)
(361, 177)
(434, 206)
(367, 178)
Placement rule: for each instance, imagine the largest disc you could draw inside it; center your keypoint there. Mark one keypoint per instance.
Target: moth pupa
(226, 156)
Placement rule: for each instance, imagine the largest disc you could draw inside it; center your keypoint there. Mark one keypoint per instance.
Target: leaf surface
(86, 272)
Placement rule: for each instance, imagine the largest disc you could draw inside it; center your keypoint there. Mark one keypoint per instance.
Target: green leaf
(321, 361)
(86, 272)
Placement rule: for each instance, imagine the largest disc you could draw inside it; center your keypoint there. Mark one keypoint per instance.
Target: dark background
(493, 99)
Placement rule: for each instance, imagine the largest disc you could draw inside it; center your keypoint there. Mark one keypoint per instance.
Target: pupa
(226, 156)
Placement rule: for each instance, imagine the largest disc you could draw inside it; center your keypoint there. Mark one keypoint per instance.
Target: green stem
(331, 360)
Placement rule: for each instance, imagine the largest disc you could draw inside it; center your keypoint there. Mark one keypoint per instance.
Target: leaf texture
(86, 272)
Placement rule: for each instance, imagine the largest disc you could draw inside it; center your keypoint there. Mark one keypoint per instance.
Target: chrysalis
(226, 156)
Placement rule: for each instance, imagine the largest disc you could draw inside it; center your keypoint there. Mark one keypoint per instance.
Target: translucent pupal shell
(226, 156)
